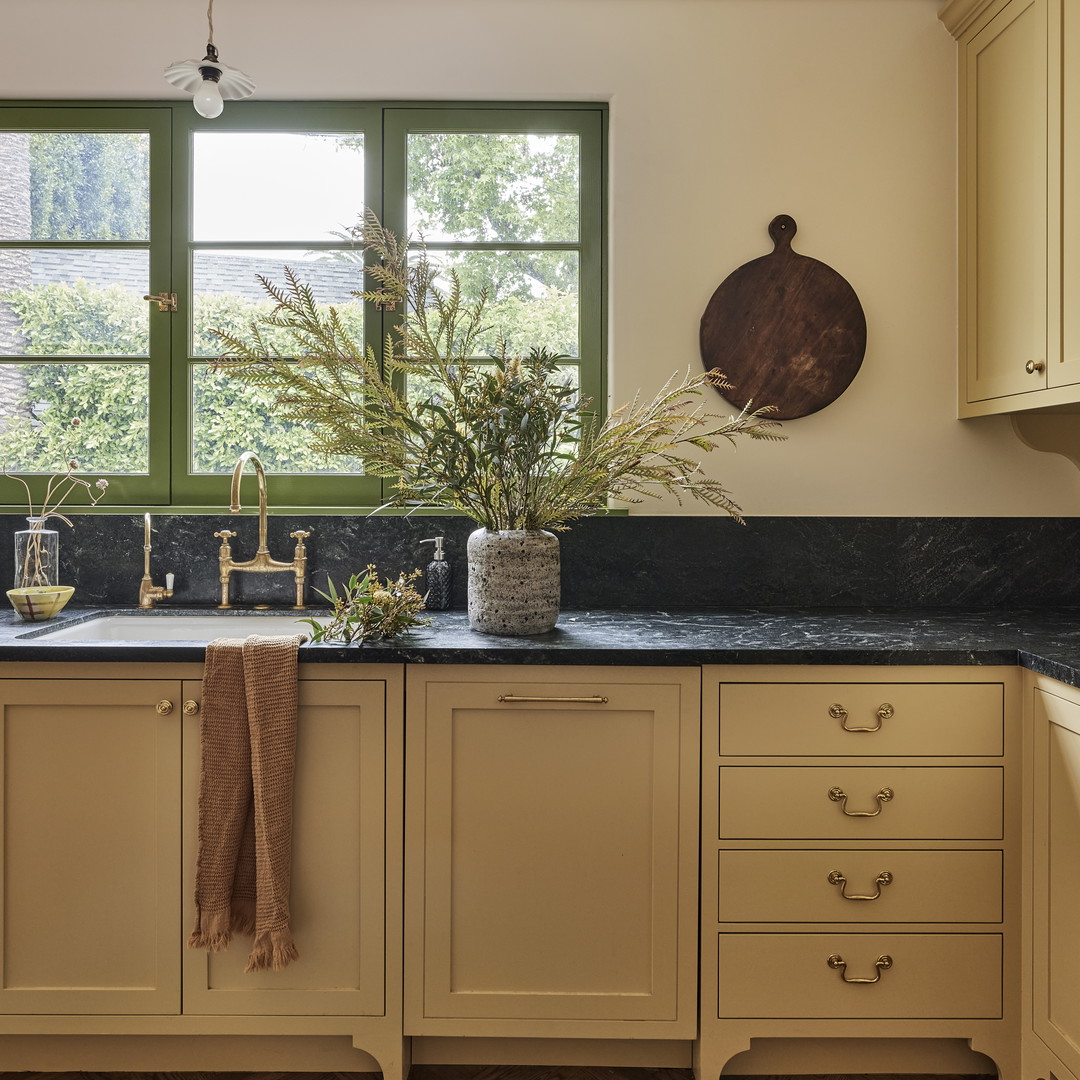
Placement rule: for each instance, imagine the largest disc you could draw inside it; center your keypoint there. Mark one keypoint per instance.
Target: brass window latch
(166, 301)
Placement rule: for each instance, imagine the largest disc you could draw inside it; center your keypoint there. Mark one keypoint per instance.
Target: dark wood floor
(463, 1072)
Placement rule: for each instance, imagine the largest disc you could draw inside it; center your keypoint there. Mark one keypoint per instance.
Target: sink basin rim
(149, 627)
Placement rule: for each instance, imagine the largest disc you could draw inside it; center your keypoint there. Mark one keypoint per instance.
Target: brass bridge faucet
(261, 562)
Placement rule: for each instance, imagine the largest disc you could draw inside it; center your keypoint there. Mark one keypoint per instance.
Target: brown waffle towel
(248, 736)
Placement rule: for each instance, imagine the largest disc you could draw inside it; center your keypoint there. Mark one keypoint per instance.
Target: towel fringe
(273, 950)
(209, 942)
(212, 931)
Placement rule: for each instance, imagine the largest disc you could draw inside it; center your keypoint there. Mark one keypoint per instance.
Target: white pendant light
(211, 81)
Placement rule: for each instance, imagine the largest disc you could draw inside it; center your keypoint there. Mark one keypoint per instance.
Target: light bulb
(207, 99)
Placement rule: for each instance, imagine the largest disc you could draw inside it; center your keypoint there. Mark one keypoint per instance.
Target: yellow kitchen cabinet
(91, 846)
(551, 852)
(1055, 903)
(860, 858)
(338, 894)
(100, 776)
(1019, 102)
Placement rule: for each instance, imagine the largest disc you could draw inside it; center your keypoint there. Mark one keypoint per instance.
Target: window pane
(494, 187)
(532, 297)
(279, 186)
(38, 403)
(231, 416)
(75, 185)
(228, 294)
(420, 387)
(73, 301)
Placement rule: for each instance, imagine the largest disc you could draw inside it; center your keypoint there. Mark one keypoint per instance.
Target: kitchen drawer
(922, 886)
(816, 719)
(933, 976)
(917, 802)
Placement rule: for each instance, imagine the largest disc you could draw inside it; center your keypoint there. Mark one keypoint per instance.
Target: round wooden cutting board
(785, 329)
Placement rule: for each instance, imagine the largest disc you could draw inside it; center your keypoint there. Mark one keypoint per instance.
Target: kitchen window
(102, 205)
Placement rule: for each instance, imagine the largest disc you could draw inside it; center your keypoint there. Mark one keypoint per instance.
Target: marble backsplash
(686, 563)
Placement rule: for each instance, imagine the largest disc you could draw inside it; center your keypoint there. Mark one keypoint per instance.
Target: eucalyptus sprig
(506, 440)
(369, 608)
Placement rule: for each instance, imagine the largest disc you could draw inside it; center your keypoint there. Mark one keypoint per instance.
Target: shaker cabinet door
(551, 852)
(337, 896)
(91, 846)
(1056, 892)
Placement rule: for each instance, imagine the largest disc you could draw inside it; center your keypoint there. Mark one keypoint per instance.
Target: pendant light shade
(209, 80)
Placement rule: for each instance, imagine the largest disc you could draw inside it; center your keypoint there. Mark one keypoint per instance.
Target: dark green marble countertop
(1044, 641)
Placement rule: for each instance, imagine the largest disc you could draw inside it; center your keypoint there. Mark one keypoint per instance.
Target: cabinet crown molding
(958, 15)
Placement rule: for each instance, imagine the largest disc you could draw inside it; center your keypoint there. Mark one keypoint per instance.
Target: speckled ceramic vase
(513, 581)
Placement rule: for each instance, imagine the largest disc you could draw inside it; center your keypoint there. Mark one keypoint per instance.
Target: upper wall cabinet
(1019, 260)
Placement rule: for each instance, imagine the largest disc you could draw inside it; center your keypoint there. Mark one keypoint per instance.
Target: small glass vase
(37, 555)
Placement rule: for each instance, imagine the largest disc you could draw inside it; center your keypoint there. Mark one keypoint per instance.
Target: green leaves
(507, 441)
(64, 319)
(86, 185)
(370, 609)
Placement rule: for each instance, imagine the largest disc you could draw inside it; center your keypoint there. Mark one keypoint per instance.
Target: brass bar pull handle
(594, 700)
(838, 963)
(837, 878)
(166, 301)
(839, 795)
(884, 711)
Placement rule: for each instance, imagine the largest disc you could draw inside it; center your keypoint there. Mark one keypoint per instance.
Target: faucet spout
(260, 475)
(261, 562)
(148, 591)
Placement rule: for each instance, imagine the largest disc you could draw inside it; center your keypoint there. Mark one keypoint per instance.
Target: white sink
(177, 627)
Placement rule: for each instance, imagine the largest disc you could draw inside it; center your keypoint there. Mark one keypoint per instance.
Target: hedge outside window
(102, 204)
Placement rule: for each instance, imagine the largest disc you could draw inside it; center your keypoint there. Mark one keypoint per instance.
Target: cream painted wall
(723, 114)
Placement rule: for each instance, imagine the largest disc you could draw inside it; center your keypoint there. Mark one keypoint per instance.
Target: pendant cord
(210, 20)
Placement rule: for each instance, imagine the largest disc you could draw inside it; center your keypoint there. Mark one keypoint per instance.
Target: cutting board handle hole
(782, 229)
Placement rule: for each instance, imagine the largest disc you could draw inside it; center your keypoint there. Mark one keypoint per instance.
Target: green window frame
(385, 128)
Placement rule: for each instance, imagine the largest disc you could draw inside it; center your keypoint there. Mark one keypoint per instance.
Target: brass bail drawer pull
(885, 711)
(838, 963)
(839, 795)
(837, 878)
(596, 699)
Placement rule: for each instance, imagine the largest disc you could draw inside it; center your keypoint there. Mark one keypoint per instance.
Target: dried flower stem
(35, 568)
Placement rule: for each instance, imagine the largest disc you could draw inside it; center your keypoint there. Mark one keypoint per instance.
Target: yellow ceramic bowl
(40, 602)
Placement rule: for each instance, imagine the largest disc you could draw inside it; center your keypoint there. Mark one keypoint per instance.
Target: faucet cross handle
(300, 536)
(225, 536)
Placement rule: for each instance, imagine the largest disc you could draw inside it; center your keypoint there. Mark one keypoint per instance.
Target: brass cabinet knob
(191, 708)
(164, 707)
(1033, 367)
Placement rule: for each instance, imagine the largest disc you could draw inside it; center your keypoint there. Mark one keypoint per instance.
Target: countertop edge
(1042, 641)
